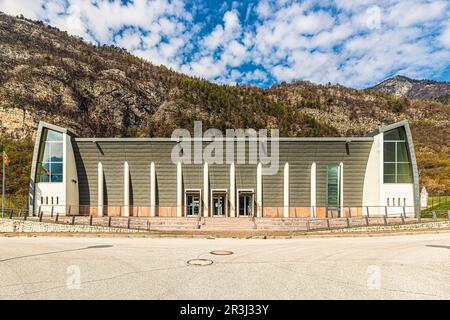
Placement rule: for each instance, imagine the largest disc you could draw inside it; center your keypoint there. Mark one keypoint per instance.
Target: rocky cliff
(405, 87)
(45, 74)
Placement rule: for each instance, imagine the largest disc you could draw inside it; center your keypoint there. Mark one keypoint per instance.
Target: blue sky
(353, 43)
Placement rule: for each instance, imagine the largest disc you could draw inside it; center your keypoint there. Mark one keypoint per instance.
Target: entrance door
(245, 204)
(219, 204)
(192, 204)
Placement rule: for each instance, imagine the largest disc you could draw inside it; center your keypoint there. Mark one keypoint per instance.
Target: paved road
(391, 267)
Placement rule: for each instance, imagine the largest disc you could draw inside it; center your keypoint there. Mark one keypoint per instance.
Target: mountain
(104, 91)
(45, 74)
(405, 87)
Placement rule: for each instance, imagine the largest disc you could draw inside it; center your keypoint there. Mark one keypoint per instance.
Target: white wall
(70, 176)
(404, 191)
(49, 190)
(373, 178)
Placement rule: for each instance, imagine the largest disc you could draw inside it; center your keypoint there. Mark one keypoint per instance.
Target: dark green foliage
(398, 105)
(18, 171)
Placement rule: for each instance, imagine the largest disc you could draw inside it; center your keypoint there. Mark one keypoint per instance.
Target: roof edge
(211, 139)
(402, 123)
(43, 124)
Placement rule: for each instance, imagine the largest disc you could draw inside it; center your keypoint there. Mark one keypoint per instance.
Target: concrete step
(172, 227)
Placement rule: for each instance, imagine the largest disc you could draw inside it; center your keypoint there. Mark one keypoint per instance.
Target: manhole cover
(221, 252)
(200, 262)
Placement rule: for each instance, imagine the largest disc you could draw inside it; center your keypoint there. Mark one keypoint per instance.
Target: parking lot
(388, 267)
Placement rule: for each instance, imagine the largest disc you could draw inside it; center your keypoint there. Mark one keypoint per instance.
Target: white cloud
(445, 36)
(356, 43)
(407, 13)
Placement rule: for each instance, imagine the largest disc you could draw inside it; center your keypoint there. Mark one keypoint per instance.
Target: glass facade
(50, 160)
(397, 164)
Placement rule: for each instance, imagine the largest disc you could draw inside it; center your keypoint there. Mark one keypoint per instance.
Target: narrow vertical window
(333, 185)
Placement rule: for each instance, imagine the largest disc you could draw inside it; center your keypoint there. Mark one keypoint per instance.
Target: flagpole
(3, 181)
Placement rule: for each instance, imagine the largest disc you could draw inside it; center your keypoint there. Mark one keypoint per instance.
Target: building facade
(316, 177)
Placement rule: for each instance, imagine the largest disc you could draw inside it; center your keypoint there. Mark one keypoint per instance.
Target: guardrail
(174, 223)
(10, 212)
(264, 211)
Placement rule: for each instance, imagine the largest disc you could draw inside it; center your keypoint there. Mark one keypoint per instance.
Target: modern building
(317, 177)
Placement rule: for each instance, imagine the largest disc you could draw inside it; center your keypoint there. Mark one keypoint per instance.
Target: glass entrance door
(192, 204)
(219, 204)
(245, 204)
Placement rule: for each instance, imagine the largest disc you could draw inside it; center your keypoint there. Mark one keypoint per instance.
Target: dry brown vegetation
(48, 75)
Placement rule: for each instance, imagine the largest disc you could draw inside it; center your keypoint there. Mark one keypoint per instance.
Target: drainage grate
(200, 262)
(222, 252)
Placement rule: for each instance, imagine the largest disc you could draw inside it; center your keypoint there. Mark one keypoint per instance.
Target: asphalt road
(393, 267)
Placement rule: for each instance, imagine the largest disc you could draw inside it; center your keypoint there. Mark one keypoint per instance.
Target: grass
(440, 204)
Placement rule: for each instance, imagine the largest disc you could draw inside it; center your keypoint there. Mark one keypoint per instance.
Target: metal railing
(13, 212)
(172, 223)
(261, 211)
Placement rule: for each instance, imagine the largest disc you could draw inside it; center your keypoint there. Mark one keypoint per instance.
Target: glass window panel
(333, 187)
(402, 152)
(56, 151)
(404, 178)
(389, 168)
(241, 205)
(43, 172)
(391, 135)
(45, 167)
(403, 168)
(57, 178)
(394, 135)
(43, 178)
(389, 178)
(45, 153)
(57, 168)
(389, 152)
(54, 136)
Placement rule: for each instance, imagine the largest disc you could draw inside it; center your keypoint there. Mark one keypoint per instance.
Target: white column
(341, 187)
(313, 190)
(205, 190)
(100, 190)
(179, 190)
(286, 190)
(259, 190)
(152, 190)
(126, 190)
(232, 191)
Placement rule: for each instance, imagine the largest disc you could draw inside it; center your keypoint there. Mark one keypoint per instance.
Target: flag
(6, 159)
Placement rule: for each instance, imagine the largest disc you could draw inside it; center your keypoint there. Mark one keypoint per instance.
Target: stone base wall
(42, 227)
(395, 227)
